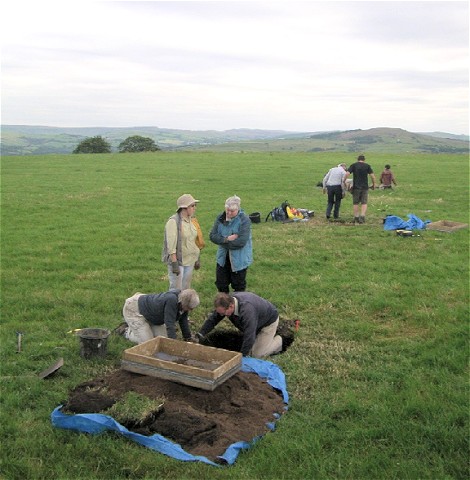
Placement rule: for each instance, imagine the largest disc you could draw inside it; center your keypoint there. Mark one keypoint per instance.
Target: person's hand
(197, 265)
(324, 190)
(232, 237)
(175, 268)
(199, 338)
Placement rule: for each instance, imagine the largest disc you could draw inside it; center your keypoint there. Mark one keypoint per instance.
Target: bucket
(93, 342)
(255, 217)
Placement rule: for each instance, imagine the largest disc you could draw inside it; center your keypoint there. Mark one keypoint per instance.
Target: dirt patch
(202, 422)
(231, 339)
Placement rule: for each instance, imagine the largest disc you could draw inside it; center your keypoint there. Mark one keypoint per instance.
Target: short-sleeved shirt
(360, 170)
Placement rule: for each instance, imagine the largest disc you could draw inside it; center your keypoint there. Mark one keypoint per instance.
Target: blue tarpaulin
(95, 423)
(396, 223)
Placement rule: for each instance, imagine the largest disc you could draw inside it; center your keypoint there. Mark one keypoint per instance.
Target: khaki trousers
(267, 342)
(139, 330)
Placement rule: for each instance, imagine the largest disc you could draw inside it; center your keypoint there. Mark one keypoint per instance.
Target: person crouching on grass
(156, 314)
(254, 316)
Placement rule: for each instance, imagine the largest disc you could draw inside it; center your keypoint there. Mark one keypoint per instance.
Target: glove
(197, 265)
(175, 268)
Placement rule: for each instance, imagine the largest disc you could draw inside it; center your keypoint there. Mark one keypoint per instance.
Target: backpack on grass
(278, 214)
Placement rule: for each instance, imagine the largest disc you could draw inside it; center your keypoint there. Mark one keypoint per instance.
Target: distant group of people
(336, 183)
(149, 315)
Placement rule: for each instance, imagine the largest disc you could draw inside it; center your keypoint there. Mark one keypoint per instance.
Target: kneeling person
(254, 316)
(157, 314)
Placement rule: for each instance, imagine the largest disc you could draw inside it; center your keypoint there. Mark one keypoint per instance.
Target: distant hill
(379, 140)
(447, 135)
(42, 140)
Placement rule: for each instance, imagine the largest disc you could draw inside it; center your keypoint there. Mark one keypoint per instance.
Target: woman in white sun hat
(182, 243)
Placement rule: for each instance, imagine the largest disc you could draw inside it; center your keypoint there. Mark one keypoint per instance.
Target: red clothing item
(386, 178)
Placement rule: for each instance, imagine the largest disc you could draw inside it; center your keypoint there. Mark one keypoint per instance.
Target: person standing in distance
(333, 184)
(361, 171)
(232, 233)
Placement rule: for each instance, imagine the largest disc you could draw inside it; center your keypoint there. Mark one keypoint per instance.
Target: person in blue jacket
(232, 233)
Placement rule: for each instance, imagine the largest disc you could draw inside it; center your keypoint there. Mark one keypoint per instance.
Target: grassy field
(377, 375)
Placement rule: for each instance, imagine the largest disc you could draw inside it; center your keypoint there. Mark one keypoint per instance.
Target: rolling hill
(42, 140)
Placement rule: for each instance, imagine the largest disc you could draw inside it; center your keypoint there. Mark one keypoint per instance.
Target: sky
(300, 66)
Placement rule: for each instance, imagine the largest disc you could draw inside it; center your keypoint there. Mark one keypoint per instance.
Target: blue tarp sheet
(95, 423)
(396, 223)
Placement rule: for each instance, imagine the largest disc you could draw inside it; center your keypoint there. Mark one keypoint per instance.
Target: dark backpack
(278, 214)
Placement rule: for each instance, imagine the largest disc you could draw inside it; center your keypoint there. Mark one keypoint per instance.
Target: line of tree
(135, 143)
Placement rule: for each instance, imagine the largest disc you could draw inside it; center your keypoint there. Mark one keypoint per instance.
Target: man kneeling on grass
(254, 316)
(156, 314)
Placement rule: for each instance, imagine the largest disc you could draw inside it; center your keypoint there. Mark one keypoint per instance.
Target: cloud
(218, 65)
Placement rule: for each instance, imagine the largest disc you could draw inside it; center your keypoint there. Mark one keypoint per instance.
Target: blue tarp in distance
(393, 222)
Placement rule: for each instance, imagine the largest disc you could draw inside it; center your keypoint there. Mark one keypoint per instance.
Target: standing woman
(182, 243)
(232, 233)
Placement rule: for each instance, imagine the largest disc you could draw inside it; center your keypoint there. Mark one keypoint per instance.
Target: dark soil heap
(202, 422)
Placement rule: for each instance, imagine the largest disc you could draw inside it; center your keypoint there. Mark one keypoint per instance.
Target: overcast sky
(288, 65)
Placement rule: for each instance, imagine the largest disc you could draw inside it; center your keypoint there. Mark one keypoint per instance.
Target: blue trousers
(335, 195)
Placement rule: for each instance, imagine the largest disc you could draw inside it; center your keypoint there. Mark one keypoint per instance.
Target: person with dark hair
(360, 190)
(232, 233)
(156, 314)
(387, 178)
(182, 243)
(333, 184)
(254, 316)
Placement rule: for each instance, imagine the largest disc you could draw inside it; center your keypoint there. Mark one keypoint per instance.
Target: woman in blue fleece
(232, 233)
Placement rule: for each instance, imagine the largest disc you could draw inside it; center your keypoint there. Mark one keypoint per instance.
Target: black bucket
(93, 342)
(255, 217)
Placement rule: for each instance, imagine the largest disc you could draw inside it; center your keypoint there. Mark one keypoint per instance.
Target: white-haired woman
(156, 314)
(232, 233)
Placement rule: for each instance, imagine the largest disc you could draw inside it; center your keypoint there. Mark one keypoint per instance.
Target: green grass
(377, 376)
(134, 408)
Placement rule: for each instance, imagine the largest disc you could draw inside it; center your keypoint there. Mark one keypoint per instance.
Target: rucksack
(278, 214)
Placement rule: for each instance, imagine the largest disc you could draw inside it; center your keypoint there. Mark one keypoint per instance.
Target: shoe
(356, 220)
(287, 341)
(121, 329)
(362, 219)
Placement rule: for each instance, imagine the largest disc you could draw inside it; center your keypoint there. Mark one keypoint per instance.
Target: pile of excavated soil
(202, 422)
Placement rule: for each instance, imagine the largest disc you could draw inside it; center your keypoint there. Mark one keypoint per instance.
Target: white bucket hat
(185, 201)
